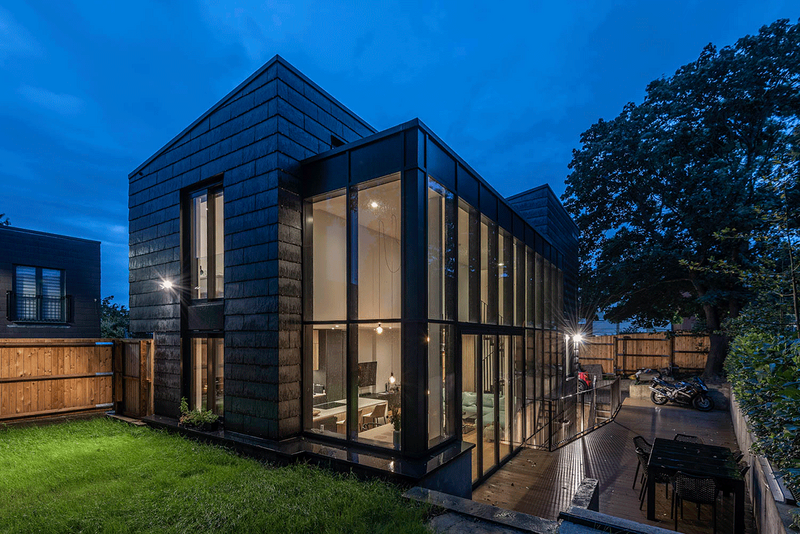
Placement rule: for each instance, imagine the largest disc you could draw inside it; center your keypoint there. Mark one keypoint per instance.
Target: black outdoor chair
(698, 490)
(688, 439)
(641, 444)
(660, 477)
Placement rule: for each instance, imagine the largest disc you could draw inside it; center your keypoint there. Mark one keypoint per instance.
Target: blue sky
(90, 90)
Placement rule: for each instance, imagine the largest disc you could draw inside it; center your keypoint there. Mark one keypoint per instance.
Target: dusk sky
(90, 90)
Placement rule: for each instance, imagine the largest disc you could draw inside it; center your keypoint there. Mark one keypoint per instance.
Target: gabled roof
(231, 96)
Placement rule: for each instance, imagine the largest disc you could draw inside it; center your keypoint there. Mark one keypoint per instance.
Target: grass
(100, 475)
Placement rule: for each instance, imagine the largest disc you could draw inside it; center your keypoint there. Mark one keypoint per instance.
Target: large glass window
(207, 244)
(207, 389)
(377, 380)
(539, 291)
(505, 276)
(489, 303)
(469, 269)
(329, 379)
(441, 252)
(531, 410)
(489, 408)
(378, 234)
(328, 284)
(39, 295)
(530, 282)
(519, 283)
(505, 415)
(441, 383)
(470, 401)
(518, 372)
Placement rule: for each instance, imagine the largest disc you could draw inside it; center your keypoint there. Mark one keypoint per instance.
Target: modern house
(358, 294)
(51, 285)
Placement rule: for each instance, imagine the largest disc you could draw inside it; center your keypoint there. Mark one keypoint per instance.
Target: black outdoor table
(670, 456)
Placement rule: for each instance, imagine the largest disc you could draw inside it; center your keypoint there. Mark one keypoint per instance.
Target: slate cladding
(80, 261)
(541, 209)
(251, 141)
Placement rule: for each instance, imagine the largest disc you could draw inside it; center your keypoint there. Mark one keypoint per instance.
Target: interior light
(379, 329)
(373, 204)
(500, 264)
(392, 379)
(428, 339)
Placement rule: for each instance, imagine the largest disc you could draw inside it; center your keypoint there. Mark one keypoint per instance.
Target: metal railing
(572, 416)
(38, 308)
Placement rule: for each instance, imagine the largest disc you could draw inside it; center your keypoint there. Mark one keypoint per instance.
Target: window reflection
(441, 251)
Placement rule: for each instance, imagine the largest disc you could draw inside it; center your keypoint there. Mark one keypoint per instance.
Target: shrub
(764, 370)
(197, 418)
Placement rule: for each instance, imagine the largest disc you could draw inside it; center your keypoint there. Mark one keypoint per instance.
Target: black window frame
(211, 281)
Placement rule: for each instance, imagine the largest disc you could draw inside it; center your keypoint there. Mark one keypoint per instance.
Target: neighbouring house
(357, 295)
(51, 285)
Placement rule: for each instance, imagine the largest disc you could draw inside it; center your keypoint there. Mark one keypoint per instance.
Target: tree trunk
(718, 343)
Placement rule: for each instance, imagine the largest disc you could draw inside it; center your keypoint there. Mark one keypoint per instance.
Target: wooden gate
(134, 366)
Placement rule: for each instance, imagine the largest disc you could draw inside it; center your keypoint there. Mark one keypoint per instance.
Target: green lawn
(100, 475)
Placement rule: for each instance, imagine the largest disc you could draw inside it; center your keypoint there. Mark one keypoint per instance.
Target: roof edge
(551, 193)
(46, 234)
(225, 99)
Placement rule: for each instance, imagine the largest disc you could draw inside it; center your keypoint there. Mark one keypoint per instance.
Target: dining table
(710, 461)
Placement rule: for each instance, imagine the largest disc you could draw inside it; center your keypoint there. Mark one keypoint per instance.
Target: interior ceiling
(379, 208)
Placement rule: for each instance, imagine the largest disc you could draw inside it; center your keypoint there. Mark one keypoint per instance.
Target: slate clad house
(341, 289)
(51, 285)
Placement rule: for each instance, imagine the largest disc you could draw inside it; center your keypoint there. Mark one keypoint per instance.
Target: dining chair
(641, 444)
(643, 458)
(378, 412)
(699, 490)
(688, 439)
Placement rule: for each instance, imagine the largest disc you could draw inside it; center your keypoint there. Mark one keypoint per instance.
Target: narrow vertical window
(441, 383)
(505, 276)
(469, 268)
(328, 282)
(530, 282)
(207, 389)
(207, 244)
(441, 251)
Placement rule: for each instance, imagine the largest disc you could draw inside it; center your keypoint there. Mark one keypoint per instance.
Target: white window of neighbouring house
(39, 295)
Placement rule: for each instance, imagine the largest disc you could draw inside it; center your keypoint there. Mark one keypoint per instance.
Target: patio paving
(542, 483)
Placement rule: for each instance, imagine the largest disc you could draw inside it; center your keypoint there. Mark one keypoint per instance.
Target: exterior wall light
(166, 284)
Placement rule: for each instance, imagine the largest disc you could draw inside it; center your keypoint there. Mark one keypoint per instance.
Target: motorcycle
(693, 392)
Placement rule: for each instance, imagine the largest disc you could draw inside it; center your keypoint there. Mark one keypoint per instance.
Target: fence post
(616, 356)
(116, 368)
(671, 353)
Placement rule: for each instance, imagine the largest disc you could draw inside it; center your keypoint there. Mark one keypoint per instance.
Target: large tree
(654, 189)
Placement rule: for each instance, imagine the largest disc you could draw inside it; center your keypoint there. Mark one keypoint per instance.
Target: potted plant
(198, 419)
(396, 424)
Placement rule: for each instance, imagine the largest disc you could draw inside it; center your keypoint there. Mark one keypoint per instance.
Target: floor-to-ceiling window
(207, 364)
(469, 264)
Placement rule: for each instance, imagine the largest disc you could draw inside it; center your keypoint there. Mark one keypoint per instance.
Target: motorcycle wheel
(582, 386)
(703, 403)
(658, 398)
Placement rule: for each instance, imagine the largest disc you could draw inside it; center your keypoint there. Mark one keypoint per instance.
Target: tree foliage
(4, 220)
(654, 189)
(114, 320)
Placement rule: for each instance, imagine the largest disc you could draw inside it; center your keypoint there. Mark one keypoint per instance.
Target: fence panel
(51, 376)
(624, 354)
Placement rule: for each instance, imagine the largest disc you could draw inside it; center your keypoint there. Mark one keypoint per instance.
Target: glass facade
(432, 311)
(207, 391)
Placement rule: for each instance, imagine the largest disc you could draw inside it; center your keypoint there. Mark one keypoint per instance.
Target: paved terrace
(542, 483)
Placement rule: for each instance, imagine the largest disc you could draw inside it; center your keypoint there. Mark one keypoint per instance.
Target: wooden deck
(542, 483)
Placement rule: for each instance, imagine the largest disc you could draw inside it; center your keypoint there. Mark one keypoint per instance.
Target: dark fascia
(45, 234)
(275, 60)
(416, 123)
(552, 195)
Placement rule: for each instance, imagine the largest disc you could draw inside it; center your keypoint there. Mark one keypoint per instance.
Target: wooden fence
(42, 377)
(627, 353)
